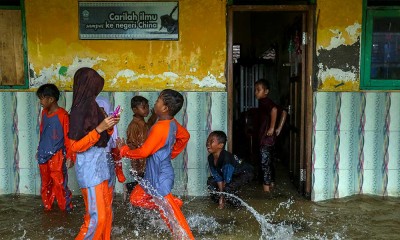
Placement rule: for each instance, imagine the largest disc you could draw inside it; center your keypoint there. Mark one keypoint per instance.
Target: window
(13, 59)
(380, 56)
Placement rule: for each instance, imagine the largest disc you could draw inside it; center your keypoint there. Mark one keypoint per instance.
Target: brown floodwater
(282, 214)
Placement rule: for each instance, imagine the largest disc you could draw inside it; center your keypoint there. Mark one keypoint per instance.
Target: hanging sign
(128, 20)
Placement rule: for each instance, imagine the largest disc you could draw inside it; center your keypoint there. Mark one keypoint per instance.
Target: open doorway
(272, 42)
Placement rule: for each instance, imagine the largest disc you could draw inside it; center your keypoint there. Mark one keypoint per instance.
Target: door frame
(307, 83)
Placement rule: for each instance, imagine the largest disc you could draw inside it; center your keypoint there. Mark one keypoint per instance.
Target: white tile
(322, 187)
(5, 181)
(350, 111)
(346, 183)
(196, 150)
(394, 151)
(373, 147)
(374, 109)
(27, 180)
(196, 112)
(395, 112)
(323, 149)
(197, 182)
(324, 117)
(348, 150)
(372, 182)
(393, 186)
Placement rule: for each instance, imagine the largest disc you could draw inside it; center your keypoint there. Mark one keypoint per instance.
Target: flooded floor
(282, 214)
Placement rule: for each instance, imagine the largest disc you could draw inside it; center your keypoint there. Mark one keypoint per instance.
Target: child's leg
(59, 177)
(46, 188)
(140, 198)
(109, 212)
(266, 165)
(118, 165)
(176, 203)
(95, 204)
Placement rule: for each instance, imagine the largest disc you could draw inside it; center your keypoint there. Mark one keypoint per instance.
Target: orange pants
(142, 199)
(109, 212)
(54, 179)
(96, 203)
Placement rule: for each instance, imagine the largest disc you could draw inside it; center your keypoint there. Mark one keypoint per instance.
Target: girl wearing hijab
(113, 162)
(90, 132)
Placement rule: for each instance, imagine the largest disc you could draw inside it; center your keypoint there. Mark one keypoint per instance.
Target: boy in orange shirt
(166, 139)
(54, 149)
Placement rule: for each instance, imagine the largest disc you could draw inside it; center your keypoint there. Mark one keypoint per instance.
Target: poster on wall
(129, 20)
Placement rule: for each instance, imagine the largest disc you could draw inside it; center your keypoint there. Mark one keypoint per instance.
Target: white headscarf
(105, 104)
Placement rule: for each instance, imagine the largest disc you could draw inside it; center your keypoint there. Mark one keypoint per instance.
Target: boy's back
(53, 134)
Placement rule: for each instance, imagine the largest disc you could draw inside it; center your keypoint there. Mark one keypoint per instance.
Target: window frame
(366, 83)
(21, 7)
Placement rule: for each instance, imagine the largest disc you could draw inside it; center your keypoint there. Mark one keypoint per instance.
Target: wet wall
(193, 65)
(356, 135)
(196, 62)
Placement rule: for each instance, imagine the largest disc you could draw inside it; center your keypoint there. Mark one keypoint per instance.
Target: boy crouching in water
(228, 173)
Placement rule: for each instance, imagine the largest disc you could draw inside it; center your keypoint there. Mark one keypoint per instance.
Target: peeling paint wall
(196, 62)
(338, 45)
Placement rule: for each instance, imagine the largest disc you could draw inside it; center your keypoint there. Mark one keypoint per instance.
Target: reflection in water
(286, 215)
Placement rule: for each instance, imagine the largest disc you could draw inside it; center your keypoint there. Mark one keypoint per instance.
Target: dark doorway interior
(270, 48)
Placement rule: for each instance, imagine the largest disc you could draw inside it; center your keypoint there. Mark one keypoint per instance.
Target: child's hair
(173, 100)
(137, 100)
(220, 135)
(262, 82)
(48, 90)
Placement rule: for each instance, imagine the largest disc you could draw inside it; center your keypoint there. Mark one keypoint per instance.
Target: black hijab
(85, 114)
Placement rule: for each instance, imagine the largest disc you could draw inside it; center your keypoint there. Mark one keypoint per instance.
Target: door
(300, 117)
(297, 79)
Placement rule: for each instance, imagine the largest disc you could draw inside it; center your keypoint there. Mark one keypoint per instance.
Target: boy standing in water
(54, 149)
(228, 172)
(137, 133)
(269, 112)
(166, 139)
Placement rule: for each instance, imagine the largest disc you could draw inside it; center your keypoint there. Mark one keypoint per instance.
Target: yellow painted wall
(339, 23)
(196, 62)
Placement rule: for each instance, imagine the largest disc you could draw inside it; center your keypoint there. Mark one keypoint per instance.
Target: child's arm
(281, 122)
(64, 119)
(152, 119)
(182, 138)
(93, 136)
(156, 140)
(271, 129)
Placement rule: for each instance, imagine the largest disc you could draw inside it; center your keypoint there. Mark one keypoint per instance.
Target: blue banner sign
(129, 20)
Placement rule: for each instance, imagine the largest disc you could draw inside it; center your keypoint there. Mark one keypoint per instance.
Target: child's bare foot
(221, 203)
(266, 187)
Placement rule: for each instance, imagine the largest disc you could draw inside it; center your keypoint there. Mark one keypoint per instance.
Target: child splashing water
(166, 139)
(90, 132)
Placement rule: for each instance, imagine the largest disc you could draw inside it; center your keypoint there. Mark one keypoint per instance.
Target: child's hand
(278, 131)
(107, 123)
(69, 163)
(270, 132)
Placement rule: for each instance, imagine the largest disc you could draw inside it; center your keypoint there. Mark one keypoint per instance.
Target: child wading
(90, 131)
(166, 139)
(53, 150)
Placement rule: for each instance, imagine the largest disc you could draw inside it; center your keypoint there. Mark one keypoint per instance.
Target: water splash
(268, 230)
(177, 231)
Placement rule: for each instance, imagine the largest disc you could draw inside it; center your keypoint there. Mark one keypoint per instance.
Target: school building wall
(356, 140)
(193, 65)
